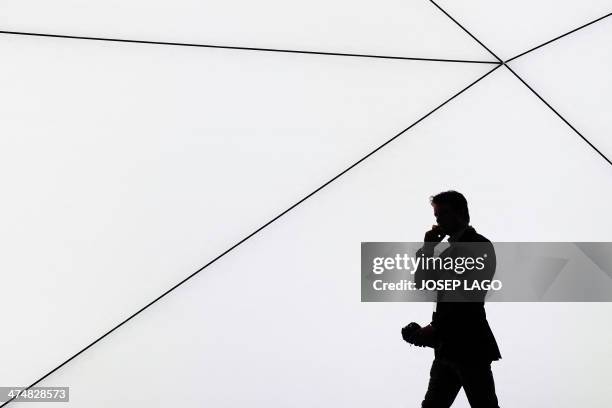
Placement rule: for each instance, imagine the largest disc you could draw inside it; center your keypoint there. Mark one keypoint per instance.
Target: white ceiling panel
(573, 75)
(410, 28)
(127, 167)
(509, 28)
(279, 321)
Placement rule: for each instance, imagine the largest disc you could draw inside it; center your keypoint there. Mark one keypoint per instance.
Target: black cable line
(259, 229)
(527, 85)
(74, 37)
(464, 29)
(558, 37)
(560, 116)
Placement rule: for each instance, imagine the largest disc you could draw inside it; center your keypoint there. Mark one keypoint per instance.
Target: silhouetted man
(464, 345)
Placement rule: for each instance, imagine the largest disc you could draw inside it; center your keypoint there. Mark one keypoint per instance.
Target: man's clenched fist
(419, 336)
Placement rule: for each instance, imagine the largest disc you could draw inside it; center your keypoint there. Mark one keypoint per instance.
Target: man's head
(450, 210)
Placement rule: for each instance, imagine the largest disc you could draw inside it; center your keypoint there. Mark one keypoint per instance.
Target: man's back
(462, 330)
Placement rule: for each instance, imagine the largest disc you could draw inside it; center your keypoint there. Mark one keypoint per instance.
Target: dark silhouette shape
(463, 343)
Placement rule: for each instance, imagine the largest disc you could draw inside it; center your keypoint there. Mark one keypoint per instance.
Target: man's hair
(455, 200)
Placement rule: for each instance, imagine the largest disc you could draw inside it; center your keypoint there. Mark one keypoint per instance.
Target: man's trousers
(447, 377)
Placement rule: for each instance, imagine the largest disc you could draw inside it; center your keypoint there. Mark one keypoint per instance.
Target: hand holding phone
(435, 234)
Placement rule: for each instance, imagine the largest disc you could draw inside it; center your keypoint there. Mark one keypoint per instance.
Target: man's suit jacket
(462, 330)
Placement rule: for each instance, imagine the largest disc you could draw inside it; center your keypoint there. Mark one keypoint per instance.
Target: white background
(126, 167)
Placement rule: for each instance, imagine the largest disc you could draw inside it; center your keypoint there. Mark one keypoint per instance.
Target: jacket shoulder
(472, 236)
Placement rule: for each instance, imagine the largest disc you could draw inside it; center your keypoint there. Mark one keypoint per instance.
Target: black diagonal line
(558, 37)
(528, 86)
(560, 116)
(464, 29)
(227, 47)
(257, 230)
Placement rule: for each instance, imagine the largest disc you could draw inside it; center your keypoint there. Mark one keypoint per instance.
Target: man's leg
(444, 385)
(477, 381)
